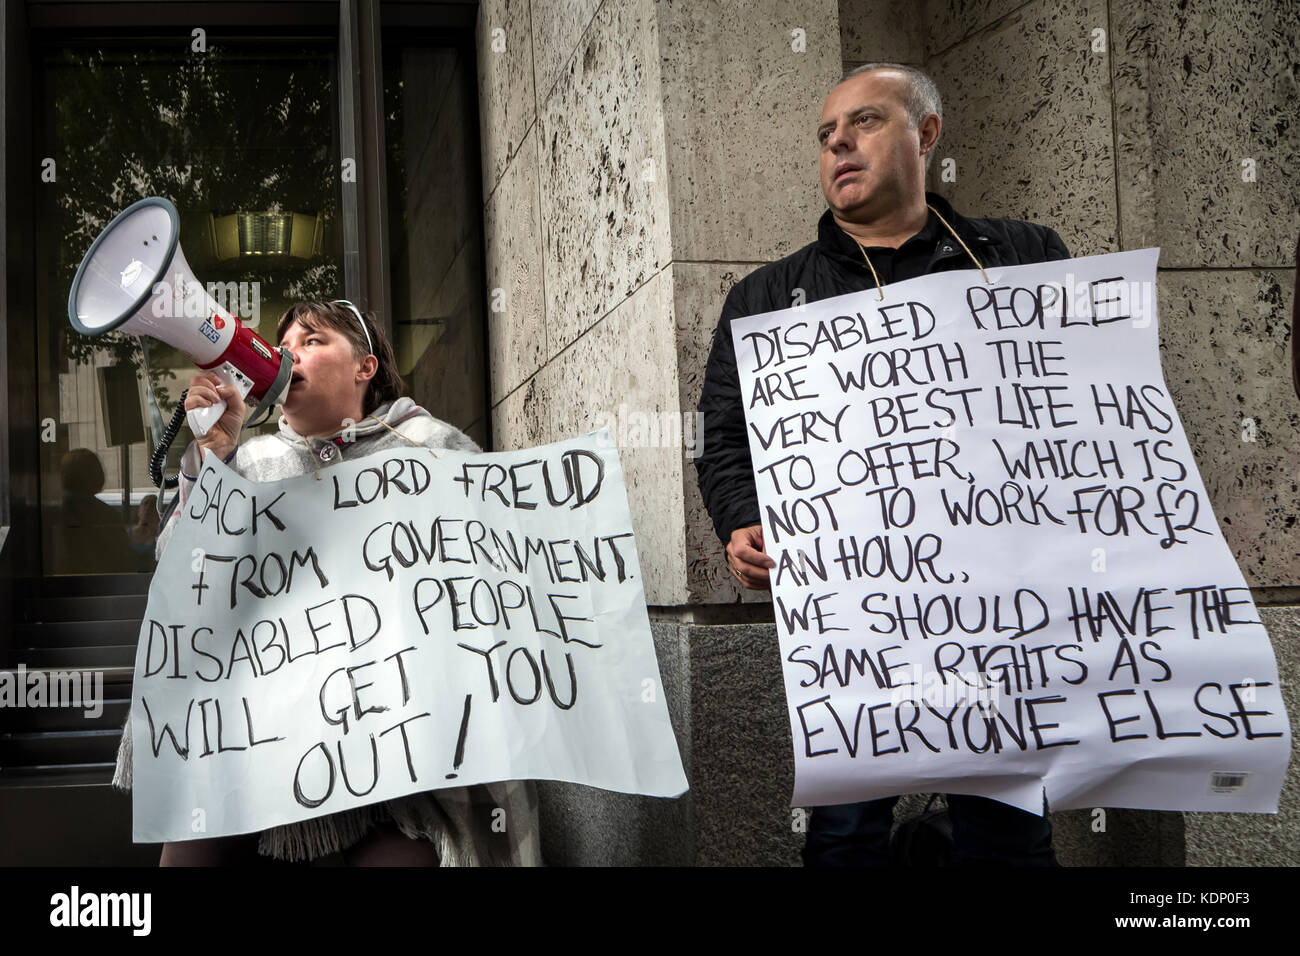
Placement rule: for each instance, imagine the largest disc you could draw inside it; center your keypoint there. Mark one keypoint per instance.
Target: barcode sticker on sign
(1228, 782)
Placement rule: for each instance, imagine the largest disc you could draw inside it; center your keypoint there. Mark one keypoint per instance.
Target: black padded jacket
(831, 266)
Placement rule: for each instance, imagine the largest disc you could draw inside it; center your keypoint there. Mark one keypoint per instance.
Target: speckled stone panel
(1111, 836)
(742, 755)
(1225, 349)
(1260, 839)
(1200, 87)
(513, 229)
(699, 290)
(881, 31)
(950, 21)
(515, 424)
(1027, 117)
(558, 27)
(507, 104)
(604, 186)
(741, 109)
(586, 826)
(625, 366)
(621, 374)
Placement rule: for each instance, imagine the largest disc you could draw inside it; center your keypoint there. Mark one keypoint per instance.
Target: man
(877, 135)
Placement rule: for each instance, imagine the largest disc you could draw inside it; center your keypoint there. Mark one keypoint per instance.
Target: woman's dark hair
(387, 385)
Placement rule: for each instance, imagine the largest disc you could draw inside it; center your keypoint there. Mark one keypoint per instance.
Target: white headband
(369, 346)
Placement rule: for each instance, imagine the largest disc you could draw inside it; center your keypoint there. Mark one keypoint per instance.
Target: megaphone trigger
(201, 420)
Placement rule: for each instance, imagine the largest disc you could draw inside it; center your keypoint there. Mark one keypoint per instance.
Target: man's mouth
(844, 170)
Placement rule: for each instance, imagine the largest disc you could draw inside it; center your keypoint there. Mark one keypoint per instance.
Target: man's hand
(747, 559)
(206, 390)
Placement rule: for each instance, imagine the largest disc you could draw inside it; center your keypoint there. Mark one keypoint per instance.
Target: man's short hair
(921, 100)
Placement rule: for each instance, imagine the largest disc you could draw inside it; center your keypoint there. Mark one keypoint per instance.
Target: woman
(345, 401)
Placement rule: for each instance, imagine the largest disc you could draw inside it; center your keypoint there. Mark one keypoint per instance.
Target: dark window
(435, 230)
(241, 138)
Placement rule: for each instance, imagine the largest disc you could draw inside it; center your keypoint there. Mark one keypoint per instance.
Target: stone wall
(578, 244)
(632, 153)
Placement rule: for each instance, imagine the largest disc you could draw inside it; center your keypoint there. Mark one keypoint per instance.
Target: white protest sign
(403, 623)
(998, 572)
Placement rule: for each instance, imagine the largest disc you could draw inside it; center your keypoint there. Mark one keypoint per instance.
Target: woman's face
(328, 380)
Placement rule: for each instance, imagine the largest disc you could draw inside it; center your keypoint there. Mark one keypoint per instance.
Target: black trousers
(984, 832)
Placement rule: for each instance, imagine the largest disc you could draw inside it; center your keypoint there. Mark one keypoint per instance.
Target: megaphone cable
(164, 445)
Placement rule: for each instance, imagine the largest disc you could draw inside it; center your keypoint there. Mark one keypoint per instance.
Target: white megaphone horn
(135, 279)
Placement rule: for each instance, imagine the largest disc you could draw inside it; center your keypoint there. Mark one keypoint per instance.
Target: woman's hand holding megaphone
(206, 390)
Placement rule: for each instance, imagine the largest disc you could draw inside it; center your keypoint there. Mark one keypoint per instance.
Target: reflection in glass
(435, 232)
(242, 140)
(84, 534)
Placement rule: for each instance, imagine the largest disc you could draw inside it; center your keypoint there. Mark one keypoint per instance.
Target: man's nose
(837, 137)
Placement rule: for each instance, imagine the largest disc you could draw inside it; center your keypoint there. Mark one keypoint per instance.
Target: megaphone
(135, 279)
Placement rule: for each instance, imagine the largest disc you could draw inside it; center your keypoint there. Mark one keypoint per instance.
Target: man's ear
(929, 132)
(369, 366)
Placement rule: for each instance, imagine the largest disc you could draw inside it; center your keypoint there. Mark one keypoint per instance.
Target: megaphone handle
(201, 420)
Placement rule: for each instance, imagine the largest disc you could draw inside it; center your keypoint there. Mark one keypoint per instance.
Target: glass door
(242, 138)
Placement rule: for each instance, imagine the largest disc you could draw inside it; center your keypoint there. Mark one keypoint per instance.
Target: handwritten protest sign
(406, 622)
(998, 571)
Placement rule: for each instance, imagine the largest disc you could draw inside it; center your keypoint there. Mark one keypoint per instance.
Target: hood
(391, 414)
